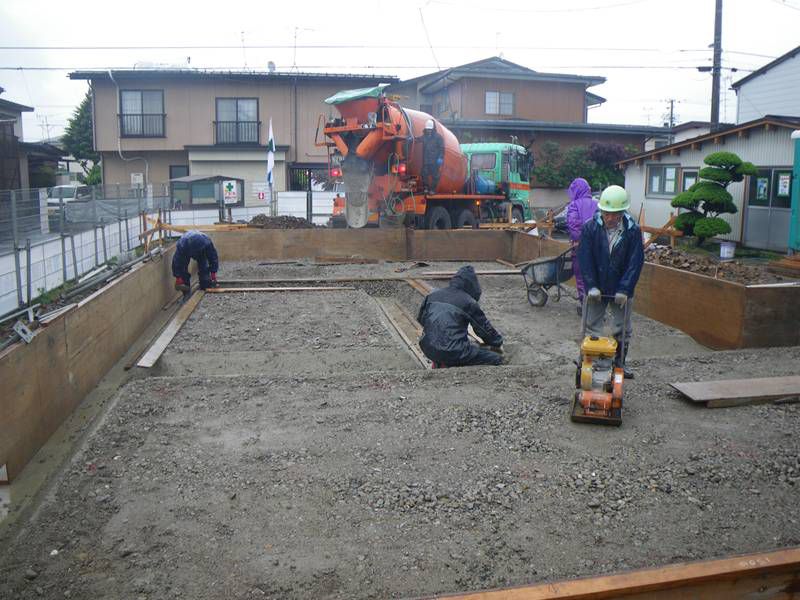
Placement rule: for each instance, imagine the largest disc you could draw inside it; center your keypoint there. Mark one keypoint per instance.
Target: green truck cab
(510, 167)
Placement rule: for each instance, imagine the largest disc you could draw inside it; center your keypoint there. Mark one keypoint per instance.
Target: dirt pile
(285, 222)
(704, 265)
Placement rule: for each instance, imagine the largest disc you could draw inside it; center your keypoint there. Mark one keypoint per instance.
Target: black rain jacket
(446, 313)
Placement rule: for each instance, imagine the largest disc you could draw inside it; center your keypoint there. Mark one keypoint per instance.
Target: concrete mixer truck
(377, 148)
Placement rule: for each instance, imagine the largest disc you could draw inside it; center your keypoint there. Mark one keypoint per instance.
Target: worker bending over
(432, 156)
(446, 314)
(198, 246)
(611, 256)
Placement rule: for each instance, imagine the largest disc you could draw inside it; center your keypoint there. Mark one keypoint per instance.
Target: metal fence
(52, 236)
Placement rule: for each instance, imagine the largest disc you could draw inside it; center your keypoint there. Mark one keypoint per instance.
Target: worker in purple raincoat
(581, 208)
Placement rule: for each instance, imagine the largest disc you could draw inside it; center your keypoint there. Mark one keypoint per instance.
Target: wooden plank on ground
(505, 263)
(423, 287)
(155, 351)
(767, 575)
(405, 326)
(448, 274)
(736, 392)
(230, 290)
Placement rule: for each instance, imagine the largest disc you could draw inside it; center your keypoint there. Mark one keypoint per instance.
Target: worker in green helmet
(611, 257)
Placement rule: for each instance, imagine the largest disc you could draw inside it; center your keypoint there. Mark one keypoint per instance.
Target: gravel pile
(285, 222)
(729, 270)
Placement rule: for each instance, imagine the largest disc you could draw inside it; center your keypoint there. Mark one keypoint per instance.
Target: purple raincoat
(581, 209)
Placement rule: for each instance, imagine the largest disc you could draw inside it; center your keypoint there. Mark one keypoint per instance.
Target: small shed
(206, 191)
(764, 202)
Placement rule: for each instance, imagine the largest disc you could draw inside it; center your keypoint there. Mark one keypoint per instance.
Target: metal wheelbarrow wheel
(537, 295)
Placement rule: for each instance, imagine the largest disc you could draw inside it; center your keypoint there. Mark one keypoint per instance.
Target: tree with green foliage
(78, 140)
(708, 198)
(548, 166)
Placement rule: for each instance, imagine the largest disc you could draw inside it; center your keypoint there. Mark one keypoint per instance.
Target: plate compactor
(600, 375)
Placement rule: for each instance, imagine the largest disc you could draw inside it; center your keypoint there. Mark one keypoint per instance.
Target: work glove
(620, 299)
(213, 276)
(213, 282)
(593, 295)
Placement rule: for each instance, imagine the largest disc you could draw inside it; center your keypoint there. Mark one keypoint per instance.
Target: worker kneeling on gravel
(198, 246)
(610, 256)
(447, 313)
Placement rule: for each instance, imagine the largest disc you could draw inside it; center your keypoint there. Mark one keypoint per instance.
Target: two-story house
(154, 125)
(494, 99)
(23, 164)
(13, 166)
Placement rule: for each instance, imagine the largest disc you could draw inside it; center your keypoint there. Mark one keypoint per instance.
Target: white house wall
(776, 92)
(764, 149)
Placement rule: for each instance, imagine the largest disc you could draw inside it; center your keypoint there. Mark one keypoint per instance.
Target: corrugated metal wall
(771, 93)
(763, 148)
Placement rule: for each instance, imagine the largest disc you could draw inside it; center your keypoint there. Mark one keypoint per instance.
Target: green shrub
(726, 160)
(685, 222)
(708, 198)
(722, 176)
(684, 200)
(708, 227)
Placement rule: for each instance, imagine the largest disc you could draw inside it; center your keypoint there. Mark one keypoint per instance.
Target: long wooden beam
(768, 575)
(408, 330)
(155, 351)
(229, 290)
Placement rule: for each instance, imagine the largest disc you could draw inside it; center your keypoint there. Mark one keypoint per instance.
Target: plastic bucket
(726, 250)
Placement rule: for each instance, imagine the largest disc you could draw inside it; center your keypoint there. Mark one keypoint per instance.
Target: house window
(662, 180)
(142, 113)
(499, 103)
(688, 180)
(237, 121)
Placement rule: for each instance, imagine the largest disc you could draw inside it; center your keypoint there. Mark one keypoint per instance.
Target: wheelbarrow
(543, 273)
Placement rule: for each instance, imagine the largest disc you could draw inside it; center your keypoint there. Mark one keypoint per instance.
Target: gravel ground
(371, 478)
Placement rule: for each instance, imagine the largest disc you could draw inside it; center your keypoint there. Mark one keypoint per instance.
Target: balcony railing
(142, 125)
(237, 132)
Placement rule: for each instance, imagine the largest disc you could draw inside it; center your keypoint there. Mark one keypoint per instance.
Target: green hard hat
(614, 199)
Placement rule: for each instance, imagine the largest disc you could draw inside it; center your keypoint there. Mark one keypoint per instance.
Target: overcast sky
(648, 50)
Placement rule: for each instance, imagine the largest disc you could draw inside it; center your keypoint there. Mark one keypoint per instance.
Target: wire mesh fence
(52, 236)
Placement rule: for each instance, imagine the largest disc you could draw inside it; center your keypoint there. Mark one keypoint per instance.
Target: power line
(786, 4)
(371, 47)
(485, 7)
(238, 71)
(428, 37)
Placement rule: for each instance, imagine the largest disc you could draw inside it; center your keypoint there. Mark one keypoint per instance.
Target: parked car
(67, 193)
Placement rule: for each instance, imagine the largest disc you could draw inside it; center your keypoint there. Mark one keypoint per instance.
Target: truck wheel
(465, 218)
(438, 218)
(517, 215)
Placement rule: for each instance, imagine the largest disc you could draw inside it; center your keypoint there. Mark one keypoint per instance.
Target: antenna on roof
(244, 52)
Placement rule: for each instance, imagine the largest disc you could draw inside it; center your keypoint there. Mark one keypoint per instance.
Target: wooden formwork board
(45, 380)
(233, 290)
(765, 576)
(736, 392)
(405, 326)
(154, 352)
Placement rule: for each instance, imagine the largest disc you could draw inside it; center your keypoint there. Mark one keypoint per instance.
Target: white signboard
(260, 191)
(230, 192)
(137, 179)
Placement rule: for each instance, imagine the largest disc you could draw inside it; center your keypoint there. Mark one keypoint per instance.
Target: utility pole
(671, 112)
(716, 69)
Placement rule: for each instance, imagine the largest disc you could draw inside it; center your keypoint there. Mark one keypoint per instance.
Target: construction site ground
(288, 445)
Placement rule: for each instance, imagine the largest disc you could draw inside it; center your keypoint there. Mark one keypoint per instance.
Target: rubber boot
(619, 361)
